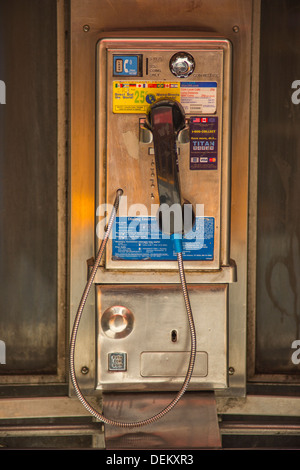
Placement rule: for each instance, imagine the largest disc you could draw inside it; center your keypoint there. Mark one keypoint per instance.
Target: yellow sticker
(137, 96)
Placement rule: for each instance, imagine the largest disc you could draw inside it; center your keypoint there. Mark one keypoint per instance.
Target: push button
(182, 64)
(117, 361)
(117, 322)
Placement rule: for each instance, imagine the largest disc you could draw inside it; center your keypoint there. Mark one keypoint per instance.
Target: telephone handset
(166, 119)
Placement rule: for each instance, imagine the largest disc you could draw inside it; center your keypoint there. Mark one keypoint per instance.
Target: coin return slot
(174, 336)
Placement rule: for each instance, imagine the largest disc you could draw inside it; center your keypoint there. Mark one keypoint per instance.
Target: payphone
(163, 156)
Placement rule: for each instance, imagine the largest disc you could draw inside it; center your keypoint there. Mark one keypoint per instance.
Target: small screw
(236, 29)
(85, 370)
(231, 371)
(86, 28)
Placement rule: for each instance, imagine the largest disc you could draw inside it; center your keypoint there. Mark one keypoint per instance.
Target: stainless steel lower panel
(143, 339)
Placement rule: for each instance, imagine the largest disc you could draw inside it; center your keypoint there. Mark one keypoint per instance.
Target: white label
(199, 97)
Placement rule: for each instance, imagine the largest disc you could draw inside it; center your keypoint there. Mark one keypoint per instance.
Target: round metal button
(182, 64)
(117, 322)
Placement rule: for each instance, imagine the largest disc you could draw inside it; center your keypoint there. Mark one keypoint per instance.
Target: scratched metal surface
(192, 424)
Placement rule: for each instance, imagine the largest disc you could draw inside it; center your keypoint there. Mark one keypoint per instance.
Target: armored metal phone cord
(90, 281)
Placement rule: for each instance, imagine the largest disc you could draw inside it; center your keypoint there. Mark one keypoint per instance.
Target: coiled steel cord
(189, 373)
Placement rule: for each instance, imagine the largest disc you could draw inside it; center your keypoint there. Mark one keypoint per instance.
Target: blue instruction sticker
(127, 65)
(139, 238)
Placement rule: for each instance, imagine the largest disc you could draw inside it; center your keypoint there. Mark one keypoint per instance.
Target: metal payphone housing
(142, 335)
